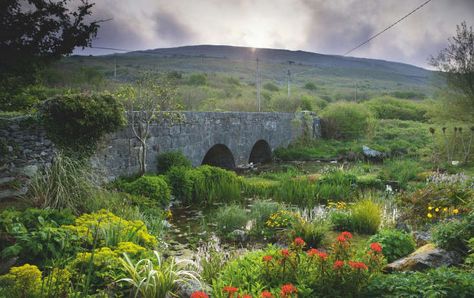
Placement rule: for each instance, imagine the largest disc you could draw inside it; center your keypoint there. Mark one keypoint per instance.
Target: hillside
(228, 75)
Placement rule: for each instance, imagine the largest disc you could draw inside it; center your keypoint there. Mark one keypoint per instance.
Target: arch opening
(220, 156)
(261, 152)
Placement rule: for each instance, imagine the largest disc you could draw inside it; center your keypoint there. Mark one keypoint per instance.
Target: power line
(392, 25)
(113, 49)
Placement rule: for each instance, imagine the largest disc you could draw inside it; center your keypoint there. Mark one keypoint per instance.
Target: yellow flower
(429, 207)
(455, 211)
(429, 215)
(437, 209)
(445, 209)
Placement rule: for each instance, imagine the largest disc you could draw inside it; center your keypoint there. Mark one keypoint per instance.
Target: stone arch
(261, 152)
(220, 156)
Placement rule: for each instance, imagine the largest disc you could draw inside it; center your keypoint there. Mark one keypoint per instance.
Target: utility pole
(257, 84)
(115, 67)
(289, 83)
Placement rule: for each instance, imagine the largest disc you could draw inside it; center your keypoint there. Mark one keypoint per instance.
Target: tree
(456, 63)
(149, 102)
(33, 33)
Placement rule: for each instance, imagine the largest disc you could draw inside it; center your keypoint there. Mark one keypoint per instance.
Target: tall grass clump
(158, 278)
(204, 185)
(345, 120)
(66, 184)
(152, 187)
(401, 171)
(167, 160)
(335, 185)
(313, 232)
(388, 107)
(261, 210)
(366, 216)
(299, 191)
(230, 218)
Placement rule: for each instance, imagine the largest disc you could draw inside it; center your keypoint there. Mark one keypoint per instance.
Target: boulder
(371, 154)
(425, 257)
(421, 237)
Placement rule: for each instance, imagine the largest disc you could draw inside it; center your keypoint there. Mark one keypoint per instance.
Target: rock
(238, 235)
(186, 289)
(425, 257)
(421, 238)
(372, 154)
(29, 171)
(5, 265)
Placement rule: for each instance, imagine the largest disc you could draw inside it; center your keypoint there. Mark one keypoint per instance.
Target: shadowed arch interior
(220, 156)
(261, 152)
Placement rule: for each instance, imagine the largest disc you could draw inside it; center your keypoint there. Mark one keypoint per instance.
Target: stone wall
(24, 147)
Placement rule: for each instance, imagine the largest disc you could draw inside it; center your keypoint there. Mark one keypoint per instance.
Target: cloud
(330, 27)
(170, 28)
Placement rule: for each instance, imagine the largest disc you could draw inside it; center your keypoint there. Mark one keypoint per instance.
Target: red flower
(285, 252)
(288, 289)
(346, 235)
(267, 258)
(376, 247)
(229, 289)
(199, 294)
(299, 242)
(246, 296)
(341, 238)
(323, 255)
(358, 265)
(266, 294)
(312, 252)
(338, 264)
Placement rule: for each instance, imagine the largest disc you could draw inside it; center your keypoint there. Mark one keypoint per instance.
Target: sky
(321, 26)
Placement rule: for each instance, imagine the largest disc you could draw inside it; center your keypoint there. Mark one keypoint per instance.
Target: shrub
(105, 228)
(345, 120)
(366, 216)
(166, 161)
(310, 86)
(341, 220)
(270, 87)
(391, 108)
(23, 281)
(204, 184)
(35, 235)
(66, 184)
(395, 243)
(312, 232)
(440, 282)
(401, 171)
(153, 187)
(197, 79)
(454, 234)
(260, 211)
(230, 218)
(77, 122)
(337, 272)
(158, 278)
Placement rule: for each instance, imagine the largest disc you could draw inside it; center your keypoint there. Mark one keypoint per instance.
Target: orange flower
(346, 235)
(229, 289)
(358, 265)
(299, 242)
(266, 294)
(288, 289)
(376, 247)
(338, 264)
(199, 294)
(312, 252)
(341, 238)
(267, 258)
(246, 296)
(285, 252)
(323, 256)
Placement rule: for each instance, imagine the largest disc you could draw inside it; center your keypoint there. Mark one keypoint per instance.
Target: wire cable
(392, 25)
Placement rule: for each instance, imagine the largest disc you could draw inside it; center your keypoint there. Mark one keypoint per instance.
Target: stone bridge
(225, 139)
